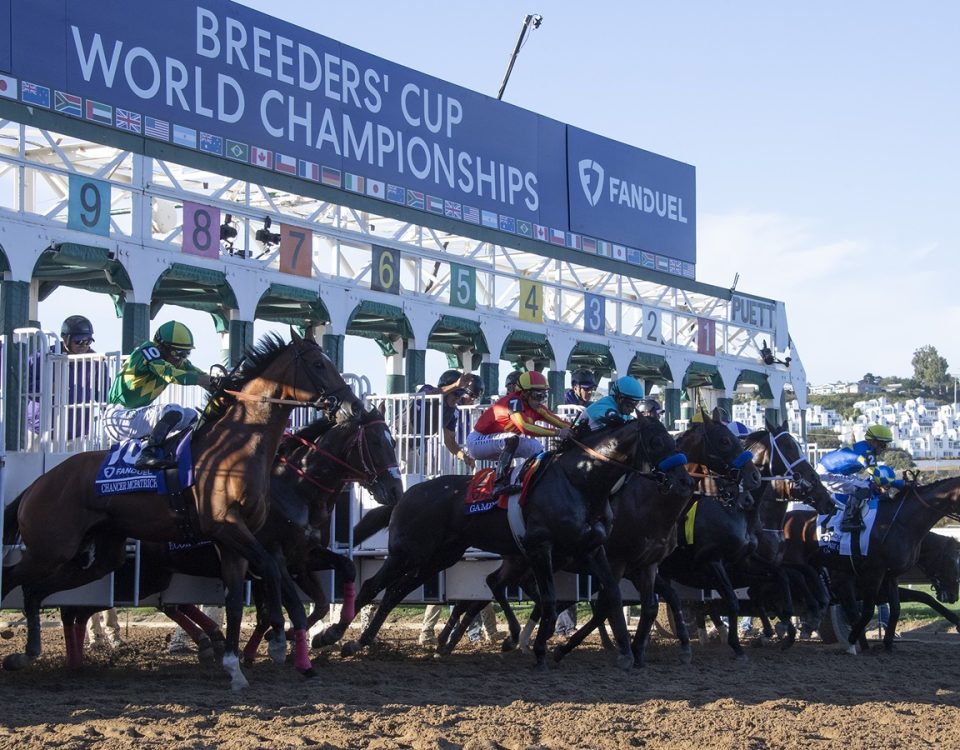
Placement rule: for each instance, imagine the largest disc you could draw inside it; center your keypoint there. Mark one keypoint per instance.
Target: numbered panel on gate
(463, 286)
(531, 301)
(652, 333)
(594, 314)
(296, 251)
(201, 230)
(88, 209)
(385, 270)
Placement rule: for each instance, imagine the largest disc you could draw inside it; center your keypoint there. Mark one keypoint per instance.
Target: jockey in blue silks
(848, 473)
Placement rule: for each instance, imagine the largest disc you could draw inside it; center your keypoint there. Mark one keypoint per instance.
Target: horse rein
(788, 475)
(367, 476)
(658, 474)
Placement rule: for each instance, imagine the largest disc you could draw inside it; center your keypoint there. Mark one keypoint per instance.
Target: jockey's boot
(850, 521)
(502, 482)
(153, 457)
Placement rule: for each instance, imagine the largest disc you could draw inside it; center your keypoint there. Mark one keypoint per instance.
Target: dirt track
(811, 696)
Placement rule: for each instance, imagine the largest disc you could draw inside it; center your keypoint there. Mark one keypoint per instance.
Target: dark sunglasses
(81, 341)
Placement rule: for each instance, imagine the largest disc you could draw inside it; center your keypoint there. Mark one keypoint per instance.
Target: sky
(824, 137)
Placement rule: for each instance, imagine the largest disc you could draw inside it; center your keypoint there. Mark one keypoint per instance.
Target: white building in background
(923, 431)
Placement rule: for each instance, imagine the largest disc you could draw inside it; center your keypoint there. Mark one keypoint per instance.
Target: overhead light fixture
(228, 233)
(768, 358)
(265, 237)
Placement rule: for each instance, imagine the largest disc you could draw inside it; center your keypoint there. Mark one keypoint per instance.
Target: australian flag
(212, 144)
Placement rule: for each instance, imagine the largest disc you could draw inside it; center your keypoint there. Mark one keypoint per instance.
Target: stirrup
(505, 489)
(150, 461)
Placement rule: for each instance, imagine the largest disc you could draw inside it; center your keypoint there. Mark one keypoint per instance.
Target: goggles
(81, 340)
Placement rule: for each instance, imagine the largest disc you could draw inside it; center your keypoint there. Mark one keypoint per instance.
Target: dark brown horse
(566, 515)
(642, 534)
(73, 536)
(894, 547)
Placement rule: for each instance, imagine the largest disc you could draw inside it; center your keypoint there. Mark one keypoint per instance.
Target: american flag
(471, 214)
(127, 120)
(156, 128)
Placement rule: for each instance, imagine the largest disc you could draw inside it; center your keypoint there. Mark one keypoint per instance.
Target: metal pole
(533, 18)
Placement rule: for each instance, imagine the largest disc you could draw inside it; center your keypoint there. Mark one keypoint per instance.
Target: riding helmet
(651, 407)
(77, 325)
(879, 432)
(449, 377)
(532, 381)
(476, 389)
(511, 380)
(627, 387)
(583, 377)
(174, 335)
(738, 428)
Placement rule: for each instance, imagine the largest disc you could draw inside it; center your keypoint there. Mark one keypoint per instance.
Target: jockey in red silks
(505, 429)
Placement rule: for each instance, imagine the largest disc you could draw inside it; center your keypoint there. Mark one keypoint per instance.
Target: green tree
(898, 459)
(929, 367)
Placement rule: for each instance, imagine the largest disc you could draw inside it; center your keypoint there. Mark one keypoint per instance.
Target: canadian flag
(261, 157)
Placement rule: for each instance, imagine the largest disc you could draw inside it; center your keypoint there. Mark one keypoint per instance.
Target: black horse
(566, 515)
(643, 532)
(726, 538)
(894, 547)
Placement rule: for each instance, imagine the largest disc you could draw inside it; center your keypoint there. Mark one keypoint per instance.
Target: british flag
(127, 120)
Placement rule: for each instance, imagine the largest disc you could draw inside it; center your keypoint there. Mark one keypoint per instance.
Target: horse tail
(11, 526)
(373, 521)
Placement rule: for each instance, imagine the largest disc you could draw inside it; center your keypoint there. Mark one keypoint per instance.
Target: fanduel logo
(590, 169)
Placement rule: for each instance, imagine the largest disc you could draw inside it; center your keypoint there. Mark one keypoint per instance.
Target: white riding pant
(120, 423)
(483, 447)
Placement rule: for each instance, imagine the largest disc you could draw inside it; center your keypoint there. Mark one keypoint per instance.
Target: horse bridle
(802, 485)
(734, 469)
(367, 475)
(657, 474)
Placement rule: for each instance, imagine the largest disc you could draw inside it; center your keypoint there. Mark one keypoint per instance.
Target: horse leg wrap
(250, 650)
(349, 601)
(301, 651)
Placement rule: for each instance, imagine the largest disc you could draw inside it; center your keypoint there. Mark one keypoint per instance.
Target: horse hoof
(16, 662)
(329, 636)
(851, 649)
(625, 662)
(787, 643)
(686, 655)
(209, 656)
(309, 674)
(508, 644)
(350, 648)
(558, 654)
(7, 634)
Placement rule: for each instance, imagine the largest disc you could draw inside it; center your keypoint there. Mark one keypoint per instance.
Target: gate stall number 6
(385, 270)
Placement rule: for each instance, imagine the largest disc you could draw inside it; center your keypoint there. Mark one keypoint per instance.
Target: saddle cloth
(833, 540)
(117, 474)
(478, 498)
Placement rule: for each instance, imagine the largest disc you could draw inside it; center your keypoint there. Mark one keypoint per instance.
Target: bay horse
(72, 536)
(643, 532)
(566, 515)
(894, 547)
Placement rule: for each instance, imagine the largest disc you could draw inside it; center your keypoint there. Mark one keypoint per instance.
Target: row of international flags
(180, 135)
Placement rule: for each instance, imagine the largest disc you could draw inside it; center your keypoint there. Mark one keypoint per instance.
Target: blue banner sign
(221, 78)
(640, 199)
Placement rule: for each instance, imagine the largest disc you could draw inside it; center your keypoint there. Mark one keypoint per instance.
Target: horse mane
(256, 361)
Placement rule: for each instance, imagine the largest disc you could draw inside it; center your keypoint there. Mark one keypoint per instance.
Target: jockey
(840, 470)
(506, 427)
(510, 382)
(618, 406)
(582, 386)
(151, 367)
(650, 407)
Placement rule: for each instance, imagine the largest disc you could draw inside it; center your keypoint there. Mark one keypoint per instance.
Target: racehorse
(642, 534)
(940, 562)
(725, 536)
(566, 515)
(894, 547)
(312, 468)
(73, 536)
(310, 471)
